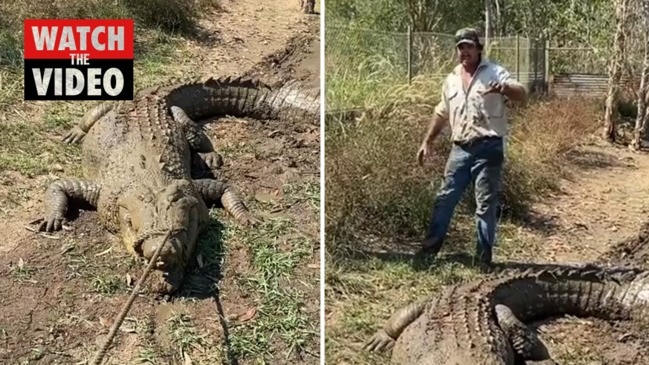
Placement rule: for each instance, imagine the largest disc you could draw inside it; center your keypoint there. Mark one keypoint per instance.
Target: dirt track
(600, 216)
(61, 293)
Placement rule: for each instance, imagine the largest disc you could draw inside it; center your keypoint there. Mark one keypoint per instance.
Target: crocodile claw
(213, 160)
(51, 224)
(379, 342)
(74, 135)
(249, 220)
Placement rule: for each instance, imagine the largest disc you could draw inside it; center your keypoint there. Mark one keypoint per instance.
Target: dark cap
(467, 35)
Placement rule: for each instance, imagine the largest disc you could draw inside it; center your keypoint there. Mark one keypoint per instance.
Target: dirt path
(253, 296)
(603, 203)
(606, 203)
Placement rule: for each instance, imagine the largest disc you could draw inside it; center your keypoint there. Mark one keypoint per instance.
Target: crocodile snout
(169, 267)
(169, 254)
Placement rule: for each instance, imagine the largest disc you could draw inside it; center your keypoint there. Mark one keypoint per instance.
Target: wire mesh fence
(398, 57)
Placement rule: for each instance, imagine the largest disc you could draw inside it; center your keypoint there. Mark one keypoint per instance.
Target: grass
(383, 199)
(278, 249)
(109, 284)
(186, 338)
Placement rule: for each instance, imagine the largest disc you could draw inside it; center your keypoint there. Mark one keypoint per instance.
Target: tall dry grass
(375, 187)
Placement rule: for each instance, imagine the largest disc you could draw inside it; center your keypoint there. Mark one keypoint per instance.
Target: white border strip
(322, 182)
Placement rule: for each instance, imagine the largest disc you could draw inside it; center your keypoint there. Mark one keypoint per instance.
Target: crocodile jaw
(169, 268)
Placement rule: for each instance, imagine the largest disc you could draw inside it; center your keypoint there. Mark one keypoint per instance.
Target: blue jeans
(480, 162)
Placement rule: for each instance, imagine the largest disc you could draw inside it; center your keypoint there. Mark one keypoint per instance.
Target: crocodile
(482, 322)
(138, 165)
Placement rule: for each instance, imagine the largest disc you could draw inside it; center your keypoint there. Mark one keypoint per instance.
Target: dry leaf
(264, 197)
(104, 252)
(188, 360)
(21, 263)
(103, 322)
(199, 259)
(129, 279)
(248, 315)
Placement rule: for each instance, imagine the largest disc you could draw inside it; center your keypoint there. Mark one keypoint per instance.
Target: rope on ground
(122, 315)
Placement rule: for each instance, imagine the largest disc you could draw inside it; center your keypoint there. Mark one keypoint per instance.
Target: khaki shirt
(470, 114)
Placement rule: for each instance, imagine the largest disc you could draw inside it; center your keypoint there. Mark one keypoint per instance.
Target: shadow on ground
(425, 263)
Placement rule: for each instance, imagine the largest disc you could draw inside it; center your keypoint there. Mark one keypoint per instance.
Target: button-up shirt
(471, 115)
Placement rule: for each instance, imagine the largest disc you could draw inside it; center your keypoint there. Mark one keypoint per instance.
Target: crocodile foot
(51, 223)
(206, 165)
(74, 135)
(379, 342)
(213, 160)
(249, 220)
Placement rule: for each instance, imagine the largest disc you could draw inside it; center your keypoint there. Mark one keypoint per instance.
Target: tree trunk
(641, 118)
(307, 6)
(615, 71)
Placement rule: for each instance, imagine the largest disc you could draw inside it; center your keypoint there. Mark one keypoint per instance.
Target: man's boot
(430, 247)
(483, 258)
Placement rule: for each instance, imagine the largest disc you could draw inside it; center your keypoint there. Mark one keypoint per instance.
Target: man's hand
(496, 87)
(424, 151)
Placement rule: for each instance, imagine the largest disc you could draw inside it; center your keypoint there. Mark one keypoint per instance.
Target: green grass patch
(31, 149)
(109, 284)
(184, 335)
(277, 250)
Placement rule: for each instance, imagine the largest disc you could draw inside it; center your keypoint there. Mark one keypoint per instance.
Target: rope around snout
(99, 356)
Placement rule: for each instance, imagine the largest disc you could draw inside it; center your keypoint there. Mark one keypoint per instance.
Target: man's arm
(512, 89)
(436, 126)
(440, 117)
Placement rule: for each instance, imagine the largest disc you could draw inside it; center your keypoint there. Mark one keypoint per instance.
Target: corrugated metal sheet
(583, 85)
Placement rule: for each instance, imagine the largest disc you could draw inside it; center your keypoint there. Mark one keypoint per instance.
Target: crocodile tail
(606, 293)
(244, 97)
(403, 317)
(292, 99)
(94, 114)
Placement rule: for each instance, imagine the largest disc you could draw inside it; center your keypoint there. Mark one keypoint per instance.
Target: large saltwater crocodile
(482, 322)
(137, 164)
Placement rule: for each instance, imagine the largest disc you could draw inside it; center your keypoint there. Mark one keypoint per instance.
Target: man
(473, 104)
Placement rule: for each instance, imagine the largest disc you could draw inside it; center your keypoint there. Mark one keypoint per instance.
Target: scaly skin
(482, 322)
(139, 164)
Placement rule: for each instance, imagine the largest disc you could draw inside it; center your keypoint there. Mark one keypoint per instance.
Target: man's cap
(467, 35)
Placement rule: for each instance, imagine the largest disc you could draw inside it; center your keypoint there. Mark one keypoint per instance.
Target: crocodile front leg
(77, 132)
(385, 338)
(198, 141)
(57, 195)
(214, 191)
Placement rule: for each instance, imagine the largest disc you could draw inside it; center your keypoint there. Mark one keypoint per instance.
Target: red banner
(62, 38)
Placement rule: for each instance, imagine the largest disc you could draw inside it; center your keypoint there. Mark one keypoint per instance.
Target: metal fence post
(518, 58)
(546, 65)
(409, 54)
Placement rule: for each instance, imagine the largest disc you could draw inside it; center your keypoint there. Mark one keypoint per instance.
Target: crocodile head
(146, 216)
